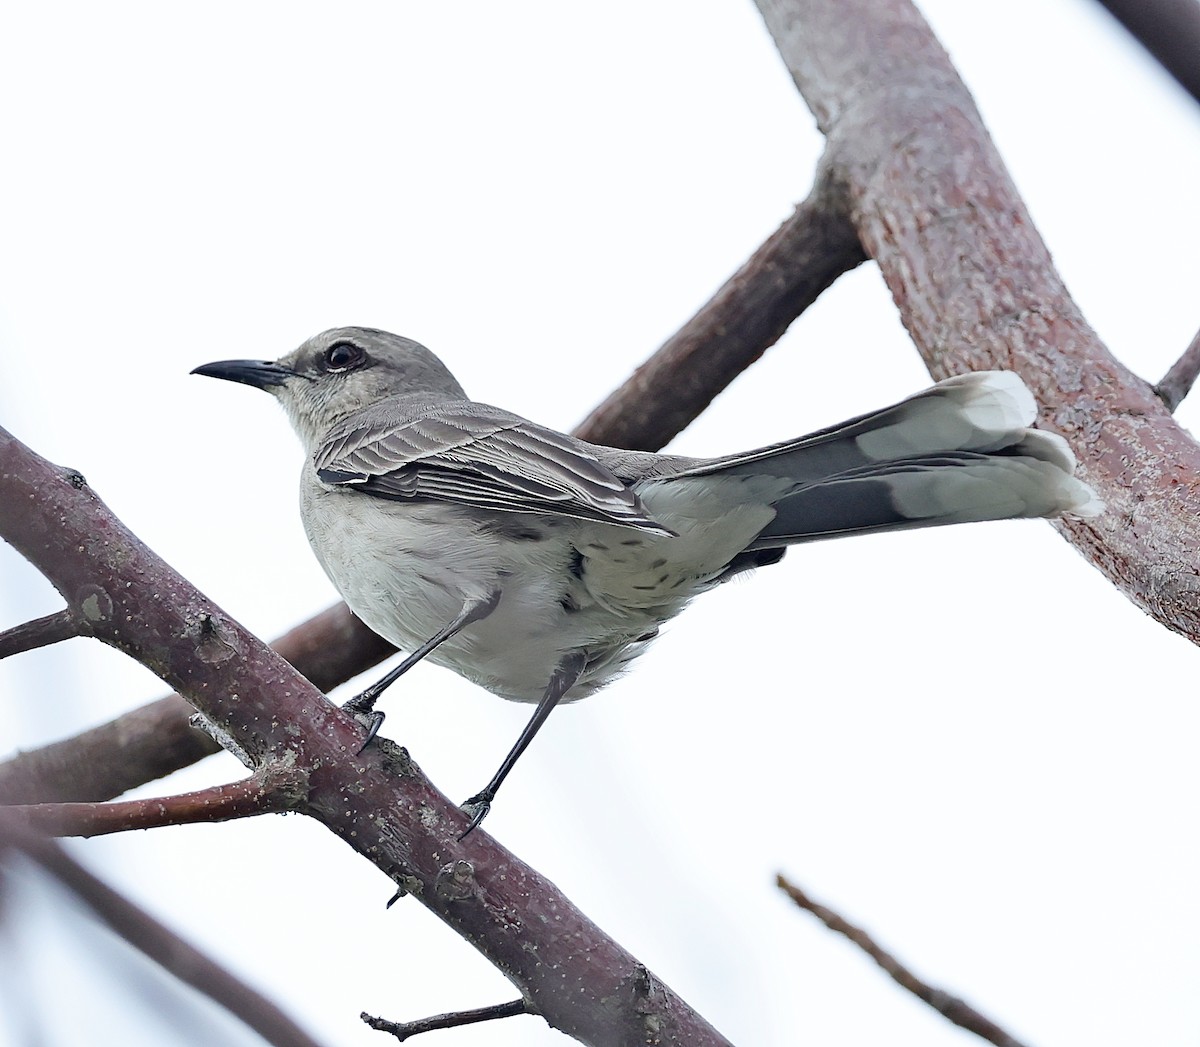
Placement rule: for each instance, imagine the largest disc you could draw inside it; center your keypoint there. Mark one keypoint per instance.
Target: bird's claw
(370, 718)
(477, 807)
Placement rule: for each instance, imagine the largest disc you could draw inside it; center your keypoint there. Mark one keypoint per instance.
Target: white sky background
(965, 740)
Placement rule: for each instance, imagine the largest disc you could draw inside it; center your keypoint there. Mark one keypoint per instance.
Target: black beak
(258, 373)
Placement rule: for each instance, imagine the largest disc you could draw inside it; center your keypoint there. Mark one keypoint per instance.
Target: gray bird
(538, 566)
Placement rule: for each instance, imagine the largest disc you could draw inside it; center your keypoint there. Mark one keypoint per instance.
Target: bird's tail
(960, 451)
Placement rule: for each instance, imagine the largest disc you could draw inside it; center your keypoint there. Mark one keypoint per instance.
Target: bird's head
(340, 372)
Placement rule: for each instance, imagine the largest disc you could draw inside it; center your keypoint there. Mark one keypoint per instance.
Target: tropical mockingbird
(538, 566)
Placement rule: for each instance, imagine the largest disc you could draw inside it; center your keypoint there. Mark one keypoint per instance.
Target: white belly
(407, 570)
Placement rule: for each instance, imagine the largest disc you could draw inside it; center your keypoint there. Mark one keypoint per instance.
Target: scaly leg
(569, 670)
(362, 707)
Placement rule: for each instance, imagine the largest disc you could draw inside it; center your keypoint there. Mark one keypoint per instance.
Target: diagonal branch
(949, 1007)
(145, 933)
(976, 287)
(1178, 381)
(742, 320)
(377, 800)
(1169, 30)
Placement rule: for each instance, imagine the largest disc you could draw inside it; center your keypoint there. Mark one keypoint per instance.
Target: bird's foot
(477, 807)
(363, 710)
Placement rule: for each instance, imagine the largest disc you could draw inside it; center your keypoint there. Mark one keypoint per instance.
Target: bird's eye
(344, 356)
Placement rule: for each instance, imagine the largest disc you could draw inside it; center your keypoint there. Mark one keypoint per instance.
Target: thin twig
(269, 790)
(950, 1007)
(452, 1020)
(157, 941)
(741, 321)
(61, 625)
(1178, 381)
(1169, 30)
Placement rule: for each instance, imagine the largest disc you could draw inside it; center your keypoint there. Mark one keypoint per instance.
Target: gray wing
(476, 455)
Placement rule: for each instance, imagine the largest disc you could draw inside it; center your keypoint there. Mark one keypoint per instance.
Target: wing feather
(473, 454)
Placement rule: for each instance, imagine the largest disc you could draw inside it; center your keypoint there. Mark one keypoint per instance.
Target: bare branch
(61, 625)
(454, 1020)
(1178, 381)
(950, 1007)
(157, 941)
(1169, 30)
(976, 286)
(272, 788)
(745, 317)
(157, 739)
(106, 761)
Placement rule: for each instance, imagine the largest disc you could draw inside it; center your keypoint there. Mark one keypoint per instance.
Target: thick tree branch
(154, 939)
(742, 320)
(271, 789)
(950, 1007)
(1169, 30)
(377, 801)
(975, 285)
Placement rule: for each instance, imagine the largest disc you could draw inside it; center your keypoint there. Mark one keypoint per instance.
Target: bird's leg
(362, 707)
(569, 670)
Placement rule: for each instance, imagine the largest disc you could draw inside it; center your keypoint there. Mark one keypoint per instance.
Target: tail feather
(961, 451)
(981, 411)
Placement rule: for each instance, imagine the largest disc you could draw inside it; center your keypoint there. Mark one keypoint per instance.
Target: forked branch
(157, 739)
(936, 209)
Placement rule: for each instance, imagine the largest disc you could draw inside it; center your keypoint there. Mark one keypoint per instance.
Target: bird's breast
(408, 568)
